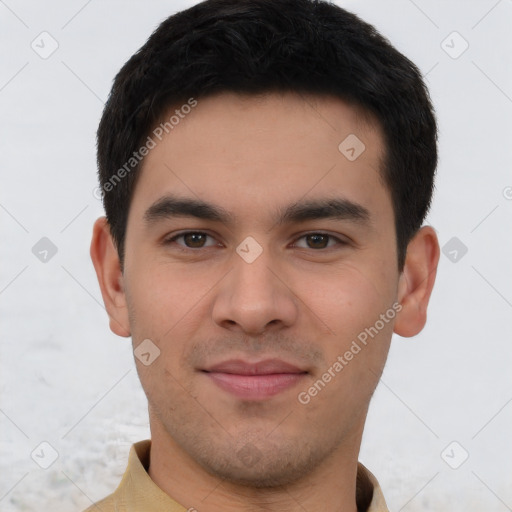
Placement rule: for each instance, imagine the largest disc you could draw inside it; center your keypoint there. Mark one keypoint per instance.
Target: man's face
(261, 286)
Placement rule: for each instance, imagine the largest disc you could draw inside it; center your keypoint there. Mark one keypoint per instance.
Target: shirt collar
(138, 492)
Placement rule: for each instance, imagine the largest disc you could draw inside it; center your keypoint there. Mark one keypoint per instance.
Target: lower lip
(255, 387)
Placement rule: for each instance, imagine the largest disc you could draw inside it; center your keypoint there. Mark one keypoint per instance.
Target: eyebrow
(171, 206)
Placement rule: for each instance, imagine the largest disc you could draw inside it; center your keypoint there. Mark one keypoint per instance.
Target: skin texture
(303, 300)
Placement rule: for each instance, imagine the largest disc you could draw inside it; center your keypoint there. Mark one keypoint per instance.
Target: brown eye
(191, 240)
(194, 240)
(320, 241)
(317, 241)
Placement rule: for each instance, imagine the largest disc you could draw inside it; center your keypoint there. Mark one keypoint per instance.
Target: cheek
(163, 298)
(350, 303)
(348, 299)
(168, 306)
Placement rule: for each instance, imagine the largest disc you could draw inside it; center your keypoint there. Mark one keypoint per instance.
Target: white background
(67, 380)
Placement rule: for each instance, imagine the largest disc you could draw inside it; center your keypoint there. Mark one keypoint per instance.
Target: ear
(110, 278)
(416, 282)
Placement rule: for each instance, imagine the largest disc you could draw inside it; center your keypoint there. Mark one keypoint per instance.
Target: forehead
(249, 151)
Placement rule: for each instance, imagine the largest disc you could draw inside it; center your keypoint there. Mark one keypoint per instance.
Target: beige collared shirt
(138, 493)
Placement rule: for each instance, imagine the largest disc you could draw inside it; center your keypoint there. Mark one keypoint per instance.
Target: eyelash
(173, 239)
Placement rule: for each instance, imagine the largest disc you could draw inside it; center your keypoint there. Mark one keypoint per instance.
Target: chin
(260, 468)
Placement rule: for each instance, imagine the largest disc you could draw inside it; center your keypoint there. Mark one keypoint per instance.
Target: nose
(255, 297)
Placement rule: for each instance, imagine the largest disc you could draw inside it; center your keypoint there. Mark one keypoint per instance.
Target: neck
(331, 486)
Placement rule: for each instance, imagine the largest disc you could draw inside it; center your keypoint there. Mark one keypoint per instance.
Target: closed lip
(265, 367)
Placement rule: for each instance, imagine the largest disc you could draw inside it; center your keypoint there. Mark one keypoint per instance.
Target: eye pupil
(319, 241)
(194, 239)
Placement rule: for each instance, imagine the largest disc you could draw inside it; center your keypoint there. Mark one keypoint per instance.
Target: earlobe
(110, 278)
(417, 281)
